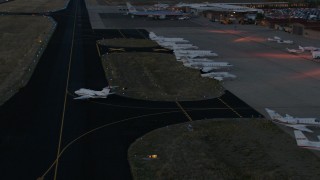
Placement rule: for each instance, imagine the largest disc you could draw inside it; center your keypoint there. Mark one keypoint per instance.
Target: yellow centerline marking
(184, 112)
(141, 34)
(230, 107)
(98, 50)
(121, 33)
(65, 94)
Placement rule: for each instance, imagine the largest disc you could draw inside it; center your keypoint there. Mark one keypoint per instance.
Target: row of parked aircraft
(192, 57)
(279, 40)
(315, 51)
(299, 125)
(157, 13)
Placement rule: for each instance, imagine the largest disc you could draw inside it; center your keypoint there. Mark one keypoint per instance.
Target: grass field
(128, 43)
(221, 149)
(33, 6)
(157, 76)
(21, 37)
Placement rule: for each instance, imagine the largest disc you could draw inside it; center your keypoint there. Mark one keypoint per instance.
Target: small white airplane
(156, 14)
(161, 6)
(193, 53)
(303, 142)
(200, 65)
(294, 122)
(275, 38)
(161, 39)
(284, 41)
(295, 51)
(219, 75)
(173, 45)
(316, 54)
(88, 93)
(209, 69)
(196, 60)
(309, 48)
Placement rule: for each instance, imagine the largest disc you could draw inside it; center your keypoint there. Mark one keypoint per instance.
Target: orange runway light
(313, 73)
(248, 39)
(226, 31)
(276, 55)
(153, 156)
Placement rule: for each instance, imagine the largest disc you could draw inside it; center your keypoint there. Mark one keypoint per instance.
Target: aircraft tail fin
(152, 35)
(300, 138)
(276, 37)
(301, 48)
(131, 8)
(273, 114)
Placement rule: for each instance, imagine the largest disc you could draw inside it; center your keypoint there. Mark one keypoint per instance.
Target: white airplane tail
(273, 114)
(152, 35)
(301, 48)
(131, 8)
(276, 37)
(301, 138)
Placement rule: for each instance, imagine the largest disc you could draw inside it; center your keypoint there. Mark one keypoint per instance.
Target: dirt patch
(33, 6)
(157, 76)
(23, 39)
(221, 149)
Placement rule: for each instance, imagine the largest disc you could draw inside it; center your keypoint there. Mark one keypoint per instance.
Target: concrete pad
(268, 76)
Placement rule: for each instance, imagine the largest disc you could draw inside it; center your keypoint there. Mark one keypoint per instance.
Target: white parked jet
(275, 38)
(156, 14)
(294, 122)
(88, 93)
(219, 75)
(193, 53)
(192, 60)
(209, 69)
(284, 41)
(316, 54)
(296, 51)
(161, 39)
(309, 48)
(302, 141)
(174, 46)
(200, 65)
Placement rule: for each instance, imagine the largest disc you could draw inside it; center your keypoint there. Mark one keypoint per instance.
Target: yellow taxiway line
(65, 95)
(121, 33)
(98, 50)
(230, 108)
(184, 112)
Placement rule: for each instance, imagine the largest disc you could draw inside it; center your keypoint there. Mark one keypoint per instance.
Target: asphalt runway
(31, 121)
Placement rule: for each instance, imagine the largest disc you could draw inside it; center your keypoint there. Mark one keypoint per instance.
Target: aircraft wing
(300, 127)
(218, 78)
(83, 97)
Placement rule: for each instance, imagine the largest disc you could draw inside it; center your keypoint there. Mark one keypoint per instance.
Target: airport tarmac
(43, 119)
(43, 115)
(268, 76)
